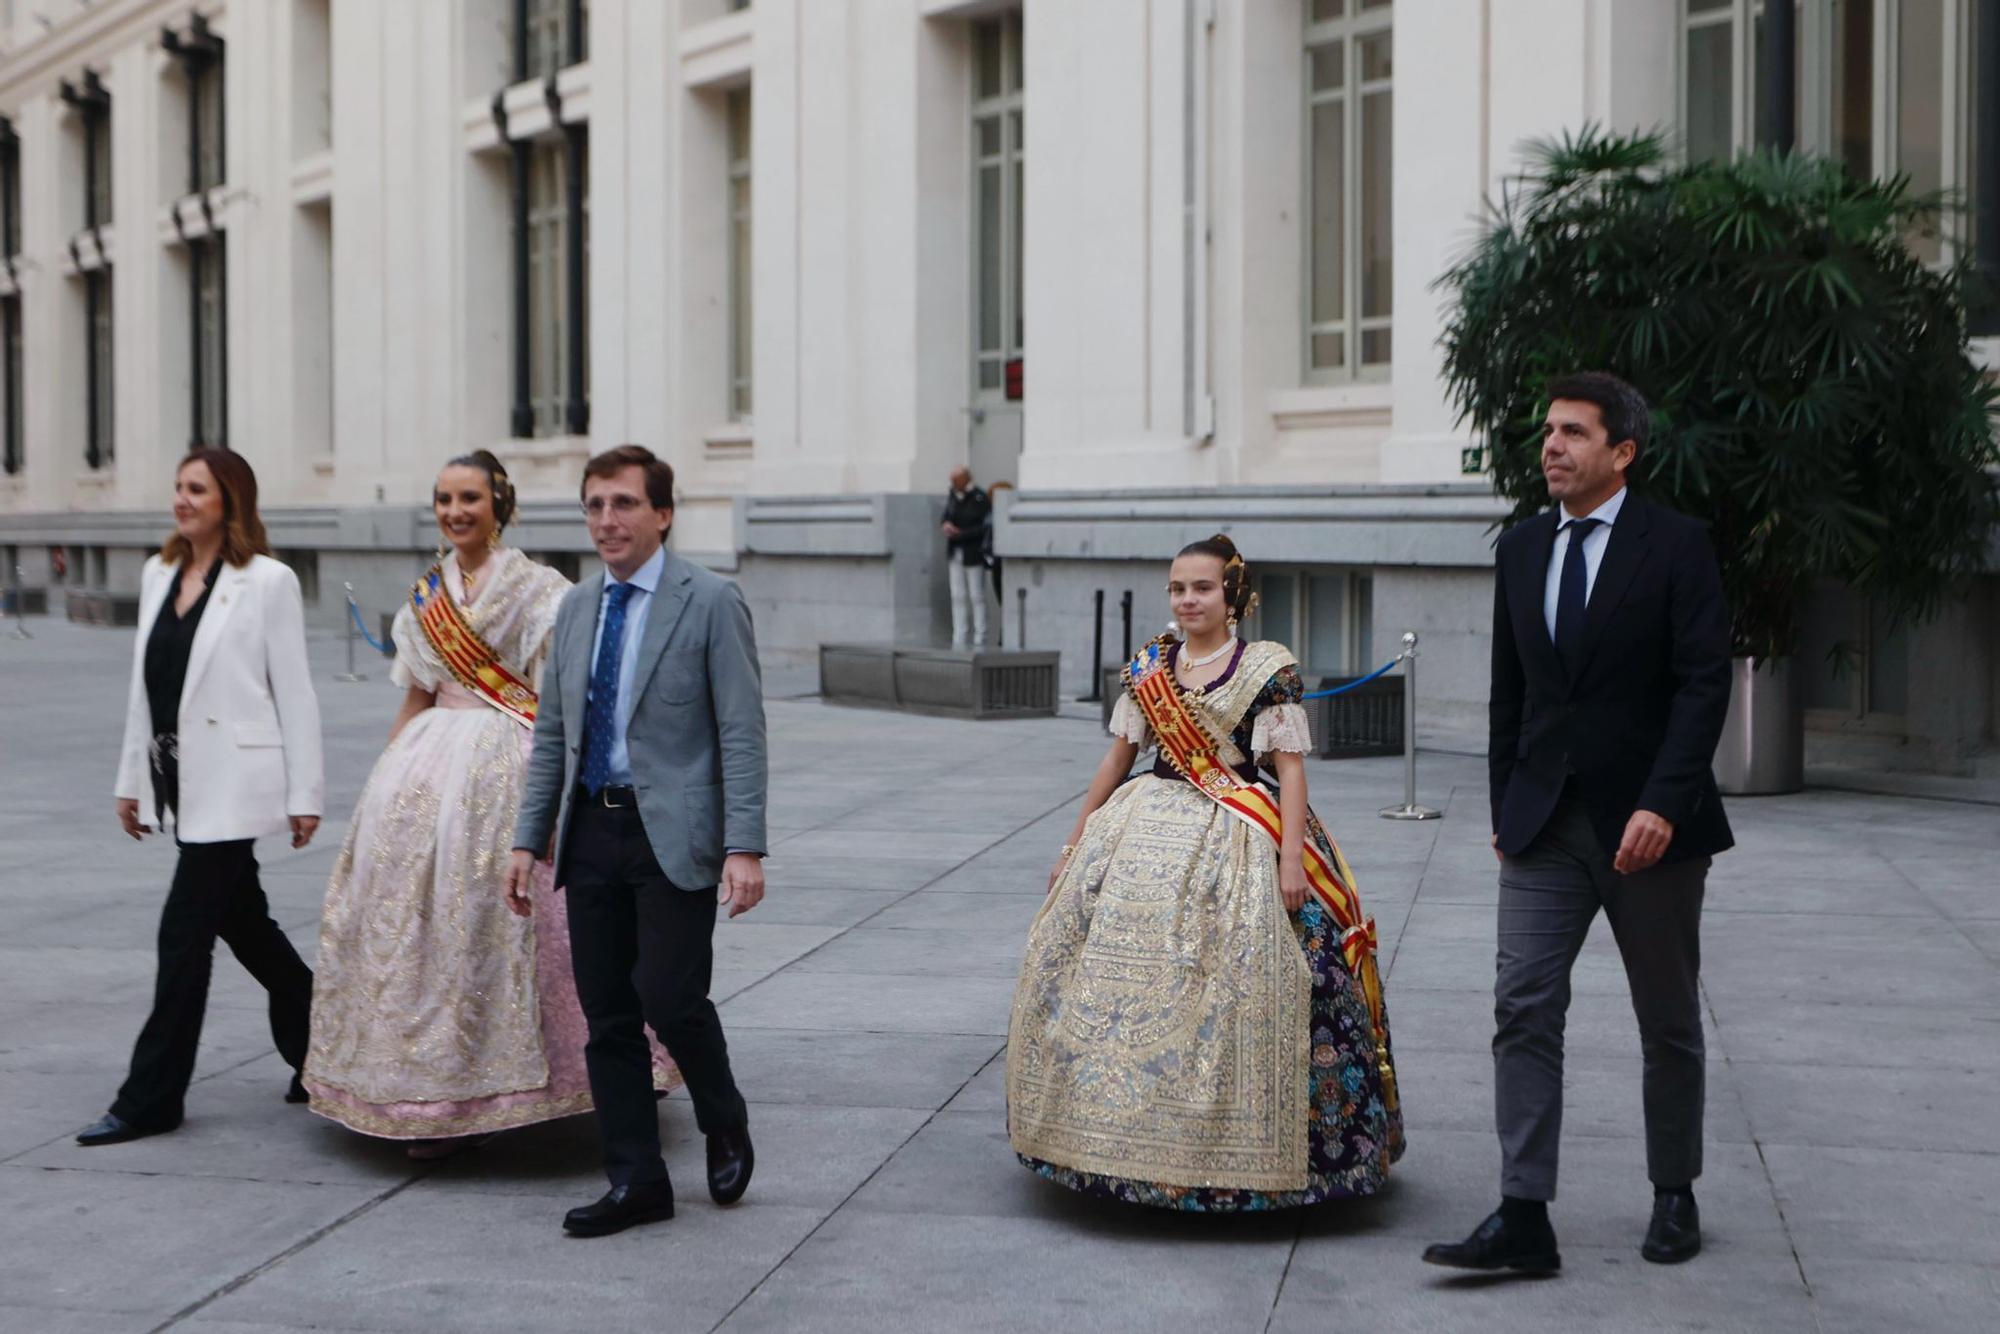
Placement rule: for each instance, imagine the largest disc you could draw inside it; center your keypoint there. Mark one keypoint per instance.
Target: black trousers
(643, 950)
(215, 894)
(1549, 896)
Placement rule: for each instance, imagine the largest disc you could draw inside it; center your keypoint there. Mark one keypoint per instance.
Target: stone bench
(961, 683)
(99, 608)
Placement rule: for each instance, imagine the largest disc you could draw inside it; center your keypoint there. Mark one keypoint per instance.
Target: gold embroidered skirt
(1161, 1027)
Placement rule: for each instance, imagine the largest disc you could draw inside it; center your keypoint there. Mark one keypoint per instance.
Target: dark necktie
(1572, 593)
(601, 714)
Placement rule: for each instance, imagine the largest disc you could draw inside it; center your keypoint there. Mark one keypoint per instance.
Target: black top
(167, 650)
(1634, 725)
(972, 510)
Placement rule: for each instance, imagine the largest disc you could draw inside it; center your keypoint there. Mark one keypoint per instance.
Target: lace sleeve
(1281, 722)
(412, 666)
(540, 628)
(1128, 723)
(1282, 727)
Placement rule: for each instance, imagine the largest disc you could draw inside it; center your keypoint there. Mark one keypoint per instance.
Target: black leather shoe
(730, 1160)
(1497, 1244)
(296, 1091)
(1675, 1232)
(622, 1207)
(110, 1129)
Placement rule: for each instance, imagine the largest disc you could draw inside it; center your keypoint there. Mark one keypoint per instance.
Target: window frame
(740, 102)
(1357, 615)
(1007, 108)
(1353, 327)
(1817, 132)
(100, 334)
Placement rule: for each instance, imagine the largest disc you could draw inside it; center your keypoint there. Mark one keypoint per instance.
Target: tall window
(91, 102)
(209, 277)
(741, 343)
(548, 300)
(1349, 128)
(100, 446)
(200, 53)
(11, 460)
(997, 179)
(1326, 615)
(1884, 86)
(549, 34)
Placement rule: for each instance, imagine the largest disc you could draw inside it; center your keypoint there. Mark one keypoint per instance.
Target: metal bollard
(1409, 810)
(353, 620)
(1125, 615)
(1020, 619)
(20, 606)
(1096, 695)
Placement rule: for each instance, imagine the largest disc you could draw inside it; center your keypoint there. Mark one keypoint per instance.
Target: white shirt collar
(1606, 514)
(646, 578)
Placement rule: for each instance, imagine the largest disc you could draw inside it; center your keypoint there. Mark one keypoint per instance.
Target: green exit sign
(1472, 460)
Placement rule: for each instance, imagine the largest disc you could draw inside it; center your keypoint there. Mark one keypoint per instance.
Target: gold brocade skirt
(1161, 1029)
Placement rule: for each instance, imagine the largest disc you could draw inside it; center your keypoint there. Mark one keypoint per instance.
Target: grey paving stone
(1860, 1031)
(1873, 1107)
(920, 950)
(1872, 1295)
(1868, 1205)
(863, 1003)
(428, 1261)
(1108, 1272)
(858, 1069)
(1390, 1289)
(122, 1243)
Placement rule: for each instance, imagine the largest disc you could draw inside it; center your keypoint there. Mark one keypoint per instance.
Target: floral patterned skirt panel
(436, 1011)
(1178, 1040)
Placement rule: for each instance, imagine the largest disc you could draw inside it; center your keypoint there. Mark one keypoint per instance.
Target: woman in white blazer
(222, 734)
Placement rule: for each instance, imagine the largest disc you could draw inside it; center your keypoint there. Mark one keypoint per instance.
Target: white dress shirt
(642, 583)
(1594, 543)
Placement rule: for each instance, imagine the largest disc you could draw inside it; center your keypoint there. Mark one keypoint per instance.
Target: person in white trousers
(968, 514)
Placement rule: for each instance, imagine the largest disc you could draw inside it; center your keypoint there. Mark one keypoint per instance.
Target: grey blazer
(695, 737)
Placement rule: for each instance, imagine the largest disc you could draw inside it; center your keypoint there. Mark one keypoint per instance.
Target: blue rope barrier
(1381, 671)
(354, 610)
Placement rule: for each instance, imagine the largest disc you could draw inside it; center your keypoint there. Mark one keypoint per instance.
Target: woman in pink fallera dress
(438, 1016)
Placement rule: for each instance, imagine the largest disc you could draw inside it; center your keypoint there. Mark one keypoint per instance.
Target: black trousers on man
(215, 893)
(643, 950)
(1549, 896)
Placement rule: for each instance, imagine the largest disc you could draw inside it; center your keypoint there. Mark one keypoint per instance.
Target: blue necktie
(1572, 593)
(601, 714)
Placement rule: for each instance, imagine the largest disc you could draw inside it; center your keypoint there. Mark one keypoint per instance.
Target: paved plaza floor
(1852, 978)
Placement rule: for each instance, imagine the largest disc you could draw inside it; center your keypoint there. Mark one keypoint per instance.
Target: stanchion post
(1020, 619)
(1409, 810)
(1125, 617)
(20, 604)
(353, 620)
(1096, 695)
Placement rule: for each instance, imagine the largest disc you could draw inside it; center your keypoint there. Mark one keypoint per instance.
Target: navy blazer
(1639, 725)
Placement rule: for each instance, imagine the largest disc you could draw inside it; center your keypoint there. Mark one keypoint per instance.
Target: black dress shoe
(622, 1207)
(296, 1091)
(1675, 1232)
(1529, 1248)
(110, 1129)
(730, 1160)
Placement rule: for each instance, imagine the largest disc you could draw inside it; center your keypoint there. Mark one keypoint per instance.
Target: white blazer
(249, 721)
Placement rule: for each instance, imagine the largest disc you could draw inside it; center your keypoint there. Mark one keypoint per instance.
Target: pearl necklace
(1207, 658)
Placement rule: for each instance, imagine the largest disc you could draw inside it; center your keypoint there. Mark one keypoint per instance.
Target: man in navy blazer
(1611, 648)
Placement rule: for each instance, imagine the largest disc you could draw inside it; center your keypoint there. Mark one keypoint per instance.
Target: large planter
(1763, 748)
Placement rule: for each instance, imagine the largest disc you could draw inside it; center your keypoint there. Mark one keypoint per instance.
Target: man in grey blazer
(647, 785)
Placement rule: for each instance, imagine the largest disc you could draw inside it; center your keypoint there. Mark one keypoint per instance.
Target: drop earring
(1232, 627)
(444, 548)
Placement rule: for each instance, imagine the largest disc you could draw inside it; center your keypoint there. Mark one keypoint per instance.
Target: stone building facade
(1155, 267)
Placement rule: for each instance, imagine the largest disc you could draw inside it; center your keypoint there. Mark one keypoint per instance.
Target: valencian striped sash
(1190, 748)
(472, 661)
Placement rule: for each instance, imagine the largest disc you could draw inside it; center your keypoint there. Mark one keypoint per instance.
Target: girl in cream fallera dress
(437, 1013)
(1178, 1038)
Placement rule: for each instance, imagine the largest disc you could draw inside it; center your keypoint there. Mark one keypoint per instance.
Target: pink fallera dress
(436, 1011)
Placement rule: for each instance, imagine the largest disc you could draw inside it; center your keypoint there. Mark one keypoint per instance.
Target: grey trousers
(1549, 896)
